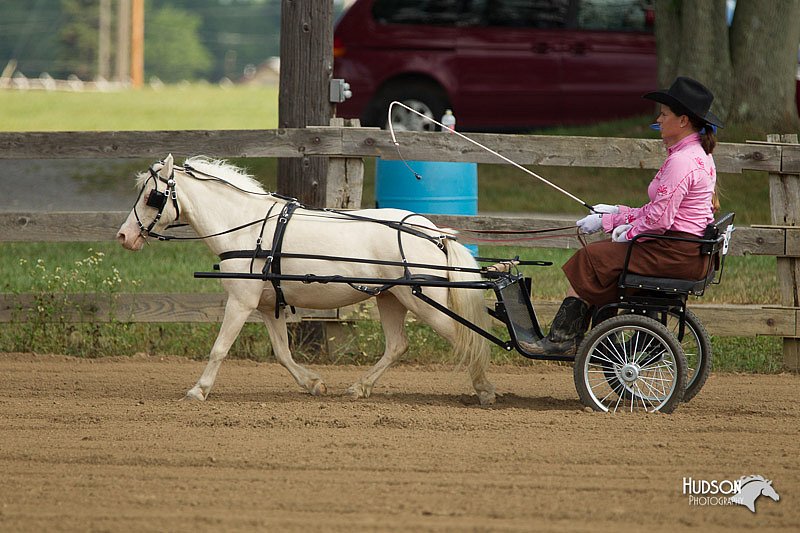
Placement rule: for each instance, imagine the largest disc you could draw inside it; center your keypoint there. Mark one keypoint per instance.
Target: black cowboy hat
(688, 95)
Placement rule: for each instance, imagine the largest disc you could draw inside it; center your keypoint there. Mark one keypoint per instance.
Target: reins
(158, 200)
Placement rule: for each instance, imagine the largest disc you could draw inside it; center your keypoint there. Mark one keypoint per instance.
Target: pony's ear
(166, 170)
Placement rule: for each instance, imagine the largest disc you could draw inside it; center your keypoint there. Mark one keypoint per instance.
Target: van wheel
(424, 97)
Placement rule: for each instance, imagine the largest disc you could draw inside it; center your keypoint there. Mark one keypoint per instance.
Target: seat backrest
(716, 231)
(721, 231)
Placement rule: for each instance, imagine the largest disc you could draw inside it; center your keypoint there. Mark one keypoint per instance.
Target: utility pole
(137, 43)
(304, 95)
(123, 40)
(104, 40)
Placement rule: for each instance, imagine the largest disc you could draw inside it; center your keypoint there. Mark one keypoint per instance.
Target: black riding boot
(566, 333)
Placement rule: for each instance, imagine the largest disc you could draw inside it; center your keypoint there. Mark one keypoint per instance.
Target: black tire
(696, 345)
(630, 363)
(425, 97)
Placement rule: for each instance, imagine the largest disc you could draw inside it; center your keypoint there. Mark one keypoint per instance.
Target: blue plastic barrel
(446, 188)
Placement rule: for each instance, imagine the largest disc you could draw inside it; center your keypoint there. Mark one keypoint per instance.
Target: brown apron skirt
(595, 269)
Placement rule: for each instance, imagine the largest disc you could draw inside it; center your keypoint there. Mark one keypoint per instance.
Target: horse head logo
(751, 487)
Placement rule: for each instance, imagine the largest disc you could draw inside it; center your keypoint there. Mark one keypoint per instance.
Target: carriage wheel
(630, 363)
(696, 345)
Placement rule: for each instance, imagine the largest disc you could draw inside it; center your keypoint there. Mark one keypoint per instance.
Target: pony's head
(156, 206)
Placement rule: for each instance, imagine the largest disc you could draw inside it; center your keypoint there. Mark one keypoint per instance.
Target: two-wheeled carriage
(645, 352)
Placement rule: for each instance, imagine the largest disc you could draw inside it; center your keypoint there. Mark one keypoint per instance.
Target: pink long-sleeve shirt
(680, 194)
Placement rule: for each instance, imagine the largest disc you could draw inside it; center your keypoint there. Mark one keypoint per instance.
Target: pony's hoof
(195, 394)
(486, 397)
(359, 390)
(319, 388)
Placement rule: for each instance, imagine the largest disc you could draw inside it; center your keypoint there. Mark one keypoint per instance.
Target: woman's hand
(620, 233)
(606, 208)
(590, 223)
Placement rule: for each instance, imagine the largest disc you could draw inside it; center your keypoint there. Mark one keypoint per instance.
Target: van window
(491, 13)
(614, 15)
(436, 12)
(521, 13)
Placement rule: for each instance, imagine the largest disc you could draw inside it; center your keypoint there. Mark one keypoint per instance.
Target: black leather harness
(273, 256)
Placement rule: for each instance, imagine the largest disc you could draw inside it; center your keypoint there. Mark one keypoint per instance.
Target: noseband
(158, 200)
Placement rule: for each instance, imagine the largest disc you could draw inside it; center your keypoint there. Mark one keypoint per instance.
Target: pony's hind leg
(392, 314)
(309, 380)
(472, 349)
(236, 314)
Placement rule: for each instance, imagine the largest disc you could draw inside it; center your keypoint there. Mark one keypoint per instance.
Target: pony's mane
(222, 169)
(217, 168)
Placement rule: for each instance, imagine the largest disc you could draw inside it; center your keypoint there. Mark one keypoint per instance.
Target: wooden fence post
(784, 201)
(345, 183)
(304, 92)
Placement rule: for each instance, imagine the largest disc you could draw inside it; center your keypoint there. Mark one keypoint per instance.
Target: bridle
(157, 200)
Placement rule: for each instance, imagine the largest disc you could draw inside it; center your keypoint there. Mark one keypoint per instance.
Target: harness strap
(258, 248)
(245, 254)
(273, 263)
(401, 225)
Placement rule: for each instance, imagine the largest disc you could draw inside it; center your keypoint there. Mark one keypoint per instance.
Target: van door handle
(579, 48)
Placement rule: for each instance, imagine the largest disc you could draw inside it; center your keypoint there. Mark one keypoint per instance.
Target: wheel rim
(630, 368)
(404, 120)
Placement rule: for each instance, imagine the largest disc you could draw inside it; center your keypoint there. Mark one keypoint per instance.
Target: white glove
(620, 233)
(606, 208)
(590, 223)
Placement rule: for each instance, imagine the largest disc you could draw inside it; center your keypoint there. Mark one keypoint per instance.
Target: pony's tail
(472, 348)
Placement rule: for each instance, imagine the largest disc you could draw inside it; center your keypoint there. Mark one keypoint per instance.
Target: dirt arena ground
(103, 445)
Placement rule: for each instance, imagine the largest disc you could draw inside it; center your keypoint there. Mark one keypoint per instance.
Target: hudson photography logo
(743, 491)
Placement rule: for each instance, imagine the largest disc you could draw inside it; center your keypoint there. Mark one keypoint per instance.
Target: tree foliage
(750, 66)
(29, 35)
(173, 51)
(61, 37)
(78, 37)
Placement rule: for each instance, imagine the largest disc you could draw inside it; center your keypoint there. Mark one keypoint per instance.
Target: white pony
(214, 197)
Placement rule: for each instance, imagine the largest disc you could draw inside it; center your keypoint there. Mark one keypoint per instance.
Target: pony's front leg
(279, 336)
(236, 314)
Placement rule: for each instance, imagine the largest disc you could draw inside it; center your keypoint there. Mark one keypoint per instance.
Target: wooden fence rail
(370, 142)
(780, 158)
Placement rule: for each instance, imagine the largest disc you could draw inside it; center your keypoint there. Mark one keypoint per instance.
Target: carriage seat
(714, 243)
(678, 286)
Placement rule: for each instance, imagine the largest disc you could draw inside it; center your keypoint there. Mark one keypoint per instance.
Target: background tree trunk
(692, 40)
(750, 67)
(764, 39)
(667, 30)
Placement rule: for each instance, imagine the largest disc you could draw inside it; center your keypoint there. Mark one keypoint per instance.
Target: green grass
(205, 107)
(168, 267)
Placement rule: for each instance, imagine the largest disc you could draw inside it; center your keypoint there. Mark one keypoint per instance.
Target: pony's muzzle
(132, 242)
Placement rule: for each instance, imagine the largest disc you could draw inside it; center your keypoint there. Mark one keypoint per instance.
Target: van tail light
(338, 47)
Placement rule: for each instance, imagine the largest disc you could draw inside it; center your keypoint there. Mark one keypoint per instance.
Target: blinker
(156, 199)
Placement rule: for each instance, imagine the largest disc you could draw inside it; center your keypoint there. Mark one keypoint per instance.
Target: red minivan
(498, 64)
